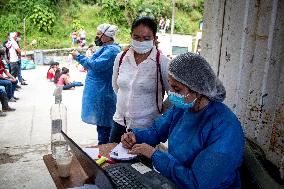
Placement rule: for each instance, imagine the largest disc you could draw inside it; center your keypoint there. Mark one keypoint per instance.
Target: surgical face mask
(142, 47)
(98, 41)
(18, 39)
(178, 101)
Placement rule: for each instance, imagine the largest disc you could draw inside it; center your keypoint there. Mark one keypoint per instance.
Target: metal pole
(25, 37)
(173, 23)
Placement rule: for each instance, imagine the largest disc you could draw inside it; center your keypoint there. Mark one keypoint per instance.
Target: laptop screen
(91, 168)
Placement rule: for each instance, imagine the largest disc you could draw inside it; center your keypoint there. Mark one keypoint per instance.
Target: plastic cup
(63, 162)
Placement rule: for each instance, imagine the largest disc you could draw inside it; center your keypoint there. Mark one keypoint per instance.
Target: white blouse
(135, 86)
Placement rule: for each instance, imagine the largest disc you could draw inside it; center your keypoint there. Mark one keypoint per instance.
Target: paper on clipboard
(92, 152)
(121, 153)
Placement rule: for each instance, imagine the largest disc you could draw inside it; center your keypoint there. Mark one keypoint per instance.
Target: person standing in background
(14, 50)
(6, 51)
(98, 102)
(82, 35)
(161, 23)
(73, 38)
(167, 25)
(20, 78)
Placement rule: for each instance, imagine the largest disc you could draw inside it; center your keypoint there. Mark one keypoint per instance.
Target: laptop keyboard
(124, 179)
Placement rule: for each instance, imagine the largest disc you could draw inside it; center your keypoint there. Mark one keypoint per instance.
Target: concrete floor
(25, 133)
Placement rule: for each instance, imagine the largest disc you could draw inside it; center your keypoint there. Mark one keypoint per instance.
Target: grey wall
(244, 42)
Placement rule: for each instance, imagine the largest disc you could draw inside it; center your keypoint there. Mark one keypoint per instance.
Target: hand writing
(142, 149)
(128, 140)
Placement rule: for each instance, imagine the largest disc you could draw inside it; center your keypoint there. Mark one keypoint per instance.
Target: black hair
(146, 21)
(64, 70)
(55, 63)
(57, 75)
(52, 63)
(59, 72)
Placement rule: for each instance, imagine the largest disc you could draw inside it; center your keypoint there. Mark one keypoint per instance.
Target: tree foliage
(190, 5)
(125, 11)
(113, 10)
(48, 21)
(43, 18)
(76, 25)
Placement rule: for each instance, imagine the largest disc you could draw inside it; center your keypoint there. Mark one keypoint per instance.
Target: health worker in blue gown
(99, 99)
(205, 138)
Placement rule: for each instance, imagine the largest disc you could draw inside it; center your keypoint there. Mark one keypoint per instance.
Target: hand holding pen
(128, 140)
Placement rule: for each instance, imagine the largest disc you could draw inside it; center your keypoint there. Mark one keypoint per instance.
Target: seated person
(205, 138)
(4, 101)
(61, 78)
(8, 81)
(51, 71)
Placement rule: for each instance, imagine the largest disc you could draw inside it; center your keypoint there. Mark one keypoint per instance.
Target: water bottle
(58, 115)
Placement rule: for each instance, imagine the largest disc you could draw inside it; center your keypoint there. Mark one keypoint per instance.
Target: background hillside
(50, 22)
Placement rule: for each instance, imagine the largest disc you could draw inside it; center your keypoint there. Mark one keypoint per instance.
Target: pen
(126, 142)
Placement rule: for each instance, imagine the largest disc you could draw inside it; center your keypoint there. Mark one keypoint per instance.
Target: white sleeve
(164, 70)
(14, 44)
(115, 72)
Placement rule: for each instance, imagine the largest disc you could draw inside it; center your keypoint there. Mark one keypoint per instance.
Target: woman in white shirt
(139, 79)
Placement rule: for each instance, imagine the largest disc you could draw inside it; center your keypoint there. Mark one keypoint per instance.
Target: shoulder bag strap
(157, 83)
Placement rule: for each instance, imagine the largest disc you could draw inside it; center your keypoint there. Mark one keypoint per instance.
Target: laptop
(119, 175)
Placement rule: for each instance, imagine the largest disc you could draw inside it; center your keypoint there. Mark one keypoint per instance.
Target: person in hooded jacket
(205, 138)
(99, 99)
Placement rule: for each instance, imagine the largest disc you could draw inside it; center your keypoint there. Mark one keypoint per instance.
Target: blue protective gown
(205, 148)
(99, 99)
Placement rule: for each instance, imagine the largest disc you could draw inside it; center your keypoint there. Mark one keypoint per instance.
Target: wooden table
(77, 175)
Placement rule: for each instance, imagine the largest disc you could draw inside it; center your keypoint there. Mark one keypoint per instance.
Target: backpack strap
(161, 80)
(121, 58)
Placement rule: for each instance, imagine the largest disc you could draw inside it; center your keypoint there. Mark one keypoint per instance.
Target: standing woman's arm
(115, 73)
(99, 63)
(164, 63)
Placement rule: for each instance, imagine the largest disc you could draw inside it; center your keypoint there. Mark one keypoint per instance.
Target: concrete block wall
(244, 42)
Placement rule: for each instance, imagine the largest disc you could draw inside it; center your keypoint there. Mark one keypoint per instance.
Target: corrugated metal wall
(244, 42)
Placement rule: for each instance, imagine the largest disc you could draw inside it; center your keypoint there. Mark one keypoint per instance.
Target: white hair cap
(12, 35)
(195, 72)
(108, 30)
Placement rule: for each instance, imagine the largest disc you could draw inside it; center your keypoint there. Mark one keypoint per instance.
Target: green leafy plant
(113, 10)
(52, 23)
(43, 18)
(10, 23)
(76, 24)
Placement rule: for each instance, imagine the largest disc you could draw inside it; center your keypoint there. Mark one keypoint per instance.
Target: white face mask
(142, 47)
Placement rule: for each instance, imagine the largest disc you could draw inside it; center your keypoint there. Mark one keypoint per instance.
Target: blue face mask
(178, 101)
